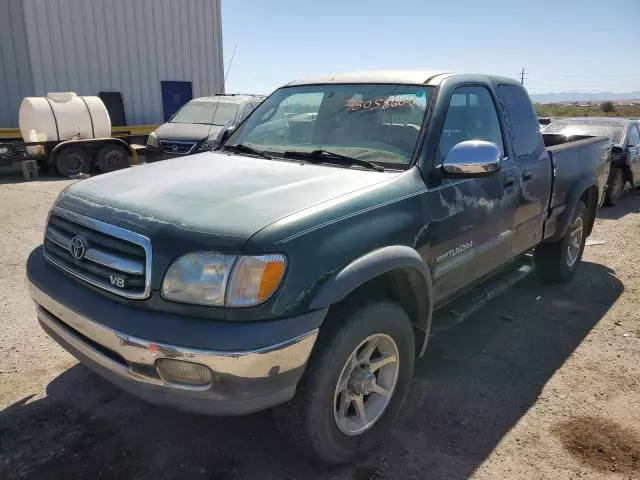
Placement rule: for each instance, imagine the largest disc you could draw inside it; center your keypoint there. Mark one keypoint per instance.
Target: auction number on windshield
(383, 103)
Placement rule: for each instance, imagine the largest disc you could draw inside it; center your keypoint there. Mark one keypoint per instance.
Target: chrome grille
(177, 148)
(106, 256)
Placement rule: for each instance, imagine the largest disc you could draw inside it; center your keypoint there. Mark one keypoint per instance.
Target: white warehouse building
(144, 58)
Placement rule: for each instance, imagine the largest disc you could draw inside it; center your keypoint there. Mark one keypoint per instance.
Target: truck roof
(413, 77)
(405, 77)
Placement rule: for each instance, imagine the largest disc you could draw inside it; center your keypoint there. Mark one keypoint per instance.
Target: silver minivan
(199, 125)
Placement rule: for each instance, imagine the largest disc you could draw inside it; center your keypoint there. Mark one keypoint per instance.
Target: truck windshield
(377, 123)
(612, 131)
(207, 113)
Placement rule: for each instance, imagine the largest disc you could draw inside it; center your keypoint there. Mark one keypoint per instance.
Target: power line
(598, 83)
(552, 73)
(581, 80)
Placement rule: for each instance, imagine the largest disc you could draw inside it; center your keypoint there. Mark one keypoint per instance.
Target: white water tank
(63, 116)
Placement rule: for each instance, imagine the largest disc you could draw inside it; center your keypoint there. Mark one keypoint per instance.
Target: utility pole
(522, 76)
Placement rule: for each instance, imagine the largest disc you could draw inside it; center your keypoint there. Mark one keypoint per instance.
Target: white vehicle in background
(200, 124)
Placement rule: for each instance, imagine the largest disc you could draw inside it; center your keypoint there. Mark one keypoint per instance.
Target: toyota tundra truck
(298, 266)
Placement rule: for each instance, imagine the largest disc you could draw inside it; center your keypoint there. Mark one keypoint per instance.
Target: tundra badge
(456, 251)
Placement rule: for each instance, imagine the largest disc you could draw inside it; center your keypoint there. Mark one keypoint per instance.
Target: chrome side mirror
(472, 158)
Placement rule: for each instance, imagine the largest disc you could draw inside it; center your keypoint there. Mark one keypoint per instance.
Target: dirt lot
(540, 383)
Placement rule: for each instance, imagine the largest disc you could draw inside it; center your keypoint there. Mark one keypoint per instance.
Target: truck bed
(570, 155)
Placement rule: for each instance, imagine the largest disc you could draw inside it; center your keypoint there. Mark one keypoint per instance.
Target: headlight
(223, 280)
(198, 278)
(210, 143)
(152, 140)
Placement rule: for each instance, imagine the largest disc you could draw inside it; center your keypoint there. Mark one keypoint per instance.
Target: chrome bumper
(242, 382)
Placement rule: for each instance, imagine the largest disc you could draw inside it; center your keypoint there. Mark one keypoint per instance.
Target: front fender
(373, 265)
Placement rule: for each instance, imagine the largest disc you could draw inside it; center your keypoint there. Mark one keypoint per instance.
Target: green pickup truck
(299, 264)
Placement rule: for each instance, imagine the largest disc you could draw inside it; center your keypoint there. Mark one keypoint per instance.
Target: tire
(112, 157)
(616, 187)
(557, 262)
(73, 161)
(310, 420)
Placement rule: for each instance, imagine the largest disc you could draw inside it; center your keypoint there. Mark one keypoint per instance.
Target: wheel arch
(396, 272)
(90, 145)
(586, 190)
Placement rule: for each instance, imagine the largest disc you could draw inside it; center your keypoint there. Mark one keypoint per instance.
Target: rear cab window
(522, 121)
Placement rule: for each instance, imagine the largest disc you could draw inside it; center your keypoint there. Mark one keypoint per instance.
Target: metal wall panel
(88, 46)
(16, 80)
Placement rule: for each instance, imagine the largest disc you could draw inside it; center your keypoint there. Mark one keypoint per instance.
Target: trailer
(70, 134)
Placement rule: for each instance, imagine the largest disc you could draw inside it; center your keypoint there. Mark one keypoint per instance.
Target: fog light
(183, 373)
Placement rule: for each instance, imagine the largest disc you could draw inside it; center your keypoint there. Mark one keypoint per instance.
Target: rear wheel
(616, 188)
(112, 157)
(72, 161)
(557, 262)
(354, 385)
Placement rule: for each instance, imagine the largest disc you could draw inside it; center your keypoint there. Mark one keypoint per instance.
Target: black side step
(464, 306)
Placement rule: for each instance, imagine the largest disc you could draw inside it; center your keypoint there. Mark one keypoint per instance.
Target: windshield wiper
(317, 156)
(241, 148)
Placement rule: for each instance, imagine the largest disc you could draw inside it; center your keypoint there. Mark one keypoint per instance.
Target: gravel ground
(540, 383)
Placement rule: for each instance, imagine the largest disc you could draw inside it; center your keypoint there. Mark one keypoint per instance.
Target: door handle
(509, 181)
(527, 175)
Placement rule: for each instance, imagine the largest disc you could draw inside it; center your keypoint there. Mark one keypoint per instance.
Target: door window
(471, 116)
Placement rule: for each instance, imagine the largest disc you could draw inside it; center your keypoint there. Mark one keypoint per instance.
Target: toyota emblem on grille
(76, 248)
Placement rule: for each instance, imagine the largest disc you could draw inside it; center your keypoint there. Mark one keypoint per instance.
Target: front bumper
(242, 381)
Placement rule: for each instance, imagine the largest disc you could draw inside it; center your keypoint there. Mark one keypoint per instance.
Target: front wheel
(354, 385)
(557, 262)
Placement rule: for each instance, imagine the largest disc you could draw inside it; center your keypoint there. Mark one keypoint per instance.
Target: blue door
(174, 96)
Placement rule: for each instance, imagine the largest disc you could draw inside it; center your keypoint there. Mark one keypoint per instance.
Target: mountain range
(583, 97)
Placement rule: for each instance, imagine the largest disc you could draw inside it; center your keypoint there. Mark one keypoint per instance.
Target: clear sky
(564, 45)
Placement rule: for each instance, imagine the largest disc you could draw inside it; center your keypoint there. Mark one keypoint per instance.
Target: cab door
(533, 173)
(471, 219)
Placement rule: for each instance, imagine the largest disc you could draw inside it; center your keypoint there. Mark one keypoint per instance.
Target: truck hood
(213, 198)
(186, 131)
